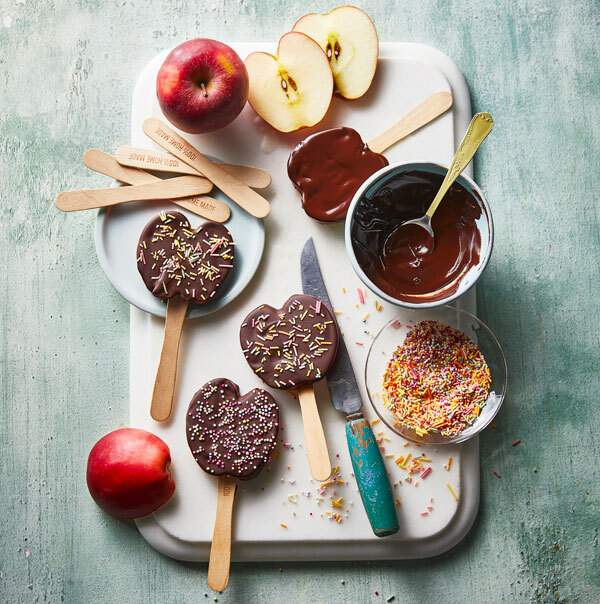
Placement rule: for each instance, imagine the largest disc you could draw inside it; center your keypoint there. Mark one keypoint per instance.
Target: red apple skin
(128, 473)
(182, 99)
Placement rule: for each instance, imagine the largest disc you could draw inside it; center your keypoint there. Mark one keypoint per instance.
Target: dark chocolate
(176, 260)
(402, 261)
(229, 434)
(290, 346)
(328, 167)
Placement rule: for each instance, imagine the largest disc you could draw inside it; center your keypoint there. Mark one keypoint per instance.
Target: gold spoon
(481, 125)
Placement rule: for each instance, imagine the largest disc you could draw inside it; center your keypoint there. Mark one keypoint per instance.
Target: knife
(369, 469)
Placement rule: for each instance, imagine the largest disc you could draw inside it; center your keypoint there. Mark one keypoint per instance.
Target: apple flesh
(293, 89)
(128, 473)
(349, 39)
(202, 86)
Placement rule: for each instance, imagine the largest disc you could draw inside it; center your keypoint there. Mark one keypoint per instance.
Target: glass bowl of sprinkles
(436, 376)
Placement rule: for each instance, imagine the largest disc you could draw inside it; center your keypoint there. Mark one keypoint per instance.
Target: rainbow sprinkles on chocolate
(290, 346)
(175, 259)
(229, 434)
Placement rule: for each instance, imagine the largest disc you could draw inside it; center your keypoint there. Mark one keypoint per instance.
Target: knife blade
(369, 469)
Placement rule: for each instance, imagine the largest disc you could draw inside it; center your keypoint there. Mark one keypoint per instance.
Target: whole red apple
(128, 473)
(202, 86)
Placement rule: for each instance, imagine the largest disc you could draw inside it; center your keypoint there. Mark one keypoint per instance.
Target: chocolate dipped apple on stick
(329, 167)
(231, 437)
(290, 348)
(180, 264)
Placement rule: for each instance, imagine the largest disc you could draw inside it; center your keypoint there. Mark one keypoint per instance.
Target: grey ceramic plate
(118, 230)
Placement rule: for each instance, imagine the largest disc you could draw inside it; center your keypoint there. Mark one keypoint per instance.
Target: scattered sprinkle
(516, 442)
(361, 298)
(451, 491)
(496, 474)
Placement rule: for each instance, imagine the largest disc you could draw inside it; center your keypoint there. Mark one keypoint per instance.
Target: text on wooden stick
(179, 146)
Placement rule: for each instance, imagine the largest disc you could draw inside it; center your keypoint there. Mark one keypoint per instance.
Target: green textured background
(67, 71)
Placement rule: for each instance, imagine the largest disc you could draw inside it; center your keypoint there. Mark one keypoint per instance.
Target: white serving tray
(407, 74)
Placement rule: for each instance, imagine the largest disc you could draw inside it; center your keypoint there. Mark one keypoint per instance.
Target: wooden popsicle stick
(220, 550)
(85, 199)
(164, 384)
(166, 162)
(168, 139)
(316, 445)
(421, 115)
(106, 164)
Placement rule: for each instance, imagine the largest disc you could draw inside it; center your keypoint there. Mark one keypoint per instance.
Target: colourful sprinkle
(437, 380)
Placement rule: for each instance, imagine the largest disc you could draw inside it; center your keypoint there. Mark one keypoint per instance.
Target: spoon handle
(481, 125)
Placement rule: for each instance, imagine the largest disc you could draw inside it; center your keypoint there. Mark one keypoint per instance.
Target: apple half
(349, 39)
(293, 89)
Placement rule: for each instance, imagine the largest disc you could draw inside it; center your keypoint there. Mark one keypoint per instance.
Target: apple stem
(203, 89)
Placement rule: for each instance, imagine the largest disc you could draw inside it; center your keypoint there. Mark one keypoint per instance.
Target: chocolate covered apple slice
(230, 436)
(290, 348)
(329, 167)
(180, 264)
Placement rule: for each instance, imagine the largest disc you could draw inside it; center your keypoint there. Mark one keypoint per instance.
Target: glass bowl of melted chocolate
(402, 264)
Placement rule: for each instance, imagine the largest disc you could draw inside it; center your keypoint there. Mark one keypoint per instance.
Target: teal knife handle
(371, 476)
